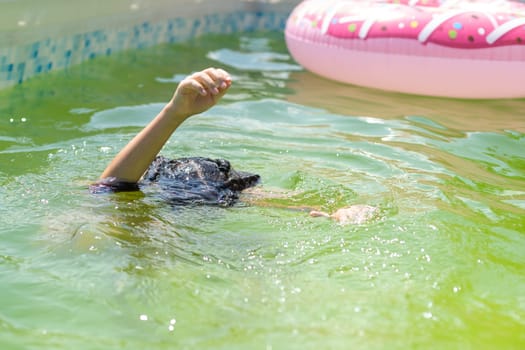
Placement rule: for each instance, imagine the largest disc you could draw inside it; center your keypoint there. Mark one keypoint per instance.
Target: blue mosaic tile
(20, 63)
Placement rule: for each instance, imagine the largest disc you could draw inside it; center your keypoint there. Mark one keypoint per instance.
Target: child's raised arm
(195, 94)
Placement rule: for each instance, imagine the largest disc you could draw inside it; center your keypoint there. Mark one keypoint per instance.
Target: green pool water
(443, 267)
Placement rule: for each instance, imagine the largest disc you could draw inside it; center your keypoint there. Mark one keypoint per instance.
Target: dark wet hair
(198, 180)
(191, 180)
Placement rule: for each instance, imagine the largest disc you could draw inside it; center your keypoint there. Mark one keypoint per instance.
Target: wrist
(171, 111)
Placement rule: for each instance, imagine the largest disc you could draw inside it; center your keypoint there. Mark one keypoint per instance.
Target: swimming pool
(441, 268)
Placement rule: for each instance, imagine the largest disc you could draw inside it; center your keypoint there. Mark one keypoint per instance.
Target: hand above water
(199, 91)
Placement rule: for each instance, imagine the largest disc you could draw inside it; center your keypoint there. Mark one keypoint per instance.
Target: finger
(190, 85)
(315, 213)
(220, 77)
(226, 79)
(206, 80)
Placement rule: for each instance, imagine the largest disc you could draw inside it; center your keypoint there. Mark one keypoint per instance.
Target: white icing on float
(465, 49)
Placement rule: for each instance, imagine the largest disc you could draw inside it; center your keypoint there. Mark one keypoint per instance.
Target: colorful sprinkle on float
(466, 49)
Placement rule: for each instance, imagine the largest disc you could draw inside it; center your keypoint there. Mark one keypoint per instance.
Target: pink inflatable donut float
(468, 49)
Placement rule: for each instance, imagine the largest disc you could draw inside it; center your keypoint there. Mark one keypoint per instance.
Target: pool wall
(37, 37)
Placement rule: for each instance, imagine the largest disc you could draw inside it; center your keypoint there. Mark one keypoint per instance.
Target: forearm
(133, 160)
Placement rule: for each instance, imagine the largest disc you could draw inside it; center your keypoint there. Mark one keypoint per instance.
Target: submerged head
(198, 180)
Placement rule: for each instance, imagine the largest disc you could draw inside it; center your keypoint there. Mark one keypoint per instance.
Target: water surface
(442, 267)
